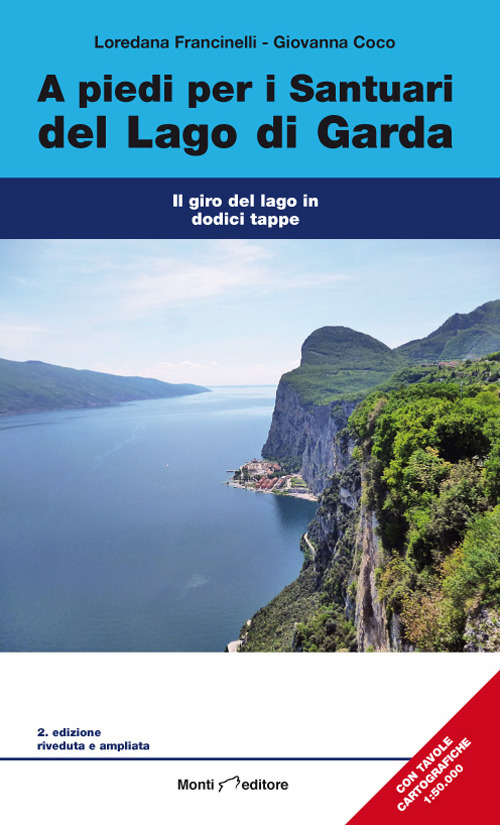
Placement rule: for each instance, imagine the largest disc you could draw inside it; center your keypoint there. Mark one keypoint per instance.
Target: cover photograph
(250, 415)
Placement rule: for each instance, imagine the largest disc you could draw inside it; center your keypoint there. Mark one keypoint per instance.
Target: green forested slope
(466, 335)
(33, 386)
(431, 472)
(338, 362)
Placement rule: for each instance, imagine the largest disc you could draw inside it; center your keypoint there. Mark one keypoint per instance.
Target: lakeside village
(268, 477)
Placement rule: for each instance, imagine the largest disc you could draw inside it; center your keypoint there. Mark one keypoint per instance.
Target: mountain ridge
(403, 552)
(340, 363)
(36, 386)
(339, 367)
(462, 335)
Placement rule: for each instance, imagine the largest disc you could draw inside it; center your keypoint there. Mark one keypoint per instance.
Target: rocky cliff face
(308, 434)
(370, 620)
(321, 597)
(341, 546)
(334, 603)
(325, 453)
(347, 554)
(287, 436)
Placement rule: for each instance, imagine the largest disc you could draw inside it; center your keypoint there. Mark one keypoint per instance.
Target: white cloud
(167, 282)
(243, 251)
(17, 336)
(133, 278)
(209, 373)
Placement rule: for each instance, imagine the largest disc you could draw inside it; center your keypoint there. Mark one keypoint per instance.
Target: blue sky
(226, 311)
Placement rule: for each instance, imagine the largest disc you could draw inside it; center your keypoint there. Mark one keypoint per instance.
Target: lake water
(119, 534)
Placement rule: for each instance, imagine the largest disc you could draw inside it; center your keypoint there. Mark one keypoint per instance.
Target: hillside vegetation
(466, 335)
(404, 550)
(338, 363)
(430, 454)
(33, 386)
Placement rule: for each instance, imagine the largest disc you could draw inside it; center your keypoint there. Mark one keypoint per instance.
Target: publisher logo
(232, 784)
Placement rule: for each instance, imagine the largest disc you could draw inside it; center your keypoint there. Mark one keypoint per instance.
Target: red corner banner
(454, 778)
